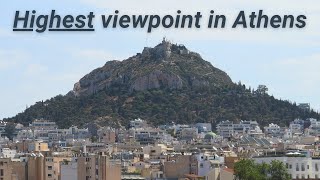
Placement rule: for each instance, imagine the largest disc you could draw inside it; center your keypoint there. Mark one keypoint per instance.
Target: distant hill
(164, 84)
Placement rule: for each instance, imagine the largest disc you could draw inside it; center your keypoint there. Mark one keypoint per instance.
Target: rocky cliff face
(166, 65)
(155, 80)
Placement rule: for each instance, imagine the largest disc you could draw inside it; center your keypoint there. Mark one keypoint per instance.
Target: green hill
(162, 84)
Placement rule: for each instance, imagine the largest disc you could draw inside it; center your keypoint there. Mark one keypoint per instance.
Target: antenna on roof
(165, 39)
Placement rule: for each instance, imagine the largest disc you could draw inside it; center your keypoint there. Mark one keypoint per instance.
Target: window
(287, 165)
(316, 167)
(49, 175)
(297, 167)
(1, 172)
(302, 167)
(49, 167)
(290, 166)
(201, 165)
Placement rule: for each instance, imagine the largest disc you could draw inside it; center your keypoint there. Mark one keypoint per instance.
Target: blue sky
(36, 67)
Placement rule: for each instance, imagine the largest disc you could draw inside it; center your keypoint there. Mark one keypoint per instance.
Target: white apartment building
(314, 128)
(146, 135)
(8, 153)
(138, 123)
(272, 129)
(227, 128)
(297, 126)
(207, 162)
(41, 124)
(298, 167)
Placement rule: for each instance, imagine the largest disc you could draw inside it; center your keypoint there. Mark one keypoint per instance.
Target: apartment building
(299, 167)
(227, 129)
(93, 166)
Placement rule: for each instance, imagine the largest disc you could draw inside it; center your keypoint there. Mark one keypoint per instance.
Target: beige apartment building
(92, 166)
(33, 167)
(36, 167)
(177, 168)
(11, 170)
(39, 167)
(38, 146)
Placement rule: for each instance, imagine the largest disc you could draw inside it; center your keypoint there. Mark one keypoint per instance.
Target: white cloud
(12, 58)
(94, 54)
(4, 33)
(36, 69)
(304, 68)
(84, 61)
(305, 72)
(296, 78)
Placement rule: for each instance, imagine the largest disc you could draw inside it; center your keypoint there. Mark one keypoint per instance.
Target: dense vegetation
(247, 169)
(159, 106)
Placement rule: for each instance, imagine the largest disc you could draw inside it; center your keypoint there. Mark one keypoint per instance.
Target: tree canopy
(9, 130)
(247, 169)
(160, 106)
